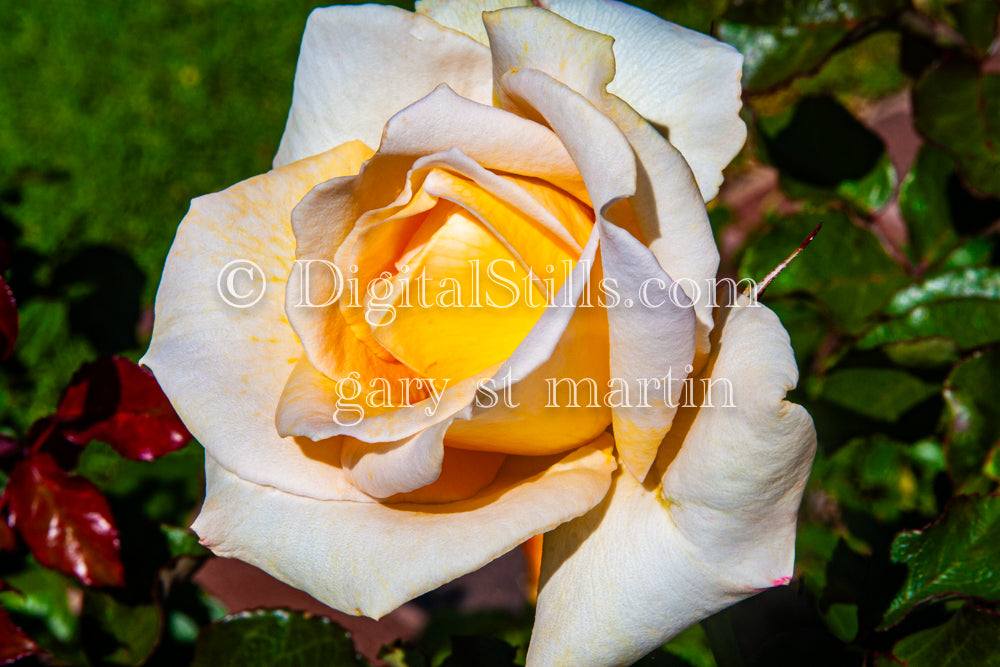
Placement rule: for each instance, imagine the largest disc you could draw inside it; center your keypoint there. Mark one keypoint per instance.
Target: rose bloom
(372, 448)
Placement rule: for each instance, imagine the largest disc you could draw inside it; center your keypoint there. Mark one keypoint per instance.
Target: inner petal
(463, 474)
(461, 303)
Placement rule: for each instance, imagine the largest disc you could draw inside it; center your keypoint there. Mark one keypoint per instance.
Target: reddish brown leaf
(10, 449)
(8, 320)
(14, 644)
(8, 541)
(115, 401)
(45, 435)
(65, 521)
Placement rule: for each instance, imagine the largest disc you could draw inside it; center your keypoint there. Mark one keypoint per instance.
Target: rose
(548, 148)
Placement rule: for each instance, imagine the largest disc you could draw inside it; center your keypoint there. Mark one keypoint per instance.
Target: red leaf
(8, 320)
(115, 401)
(8, 541)
(65, 521)
(14, 644)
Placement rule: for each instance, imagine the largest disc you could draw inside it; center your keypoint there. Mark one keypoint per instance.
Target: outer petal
(737, 479)
(649, 341)
(465, 16)
(360, 65)
(721, 528)
(678, 79)
(368, 558)
(225, 367)
(668, 208)
(672, 218)
(645, 342)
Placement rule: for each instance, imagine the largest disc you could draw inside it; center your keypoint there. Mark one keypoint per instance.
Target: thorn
(781, 267)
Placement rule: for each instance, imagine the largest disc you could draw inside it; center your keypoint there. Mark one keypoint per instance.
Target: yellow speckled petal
(224, 367)
(369, 558)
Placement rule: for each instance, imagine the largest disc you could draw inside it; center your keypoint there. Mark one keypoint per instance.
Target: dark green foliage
(275, 639)
(970, 637)
(958, 108)
(955, 556)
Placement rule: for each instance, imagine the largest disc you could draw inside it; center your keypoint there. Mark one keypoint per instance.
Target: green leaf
(867, 69)
(44, 342)
(805, 142)
(777, 629)
(695, 15)
(971, 283)
(815, 541)
(880, 393)
(116, 633)
(954, 556)
(774, 54)
(958, 108)
(447, 621)
(845, 268)
(882, 477)
(923, 203)
(401, 654)
(182, 542)
(43, 594)
(954, 310)
(992, 466)
(872, 191)
(186, 608)
(691, 646)
(970, 637)
(969, 323)
(867, 193)
(480, 651)
(275, 638)
(842, 621)
(976, 20)
(973, 417)
(662, 659)
(923, 352)
(720, 630)
(781, 40)
(809, 12)
(975, 253)
(42, 603)
(688, 649)
(164, 490)
(855, 75)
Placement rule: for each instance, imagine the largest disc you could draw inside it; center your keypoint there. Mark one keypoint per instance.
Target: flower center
(460, 289)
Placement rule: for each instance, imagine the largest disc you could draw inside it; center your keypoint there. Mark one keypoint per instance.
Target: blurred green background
(113, 116)
(879, 119)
